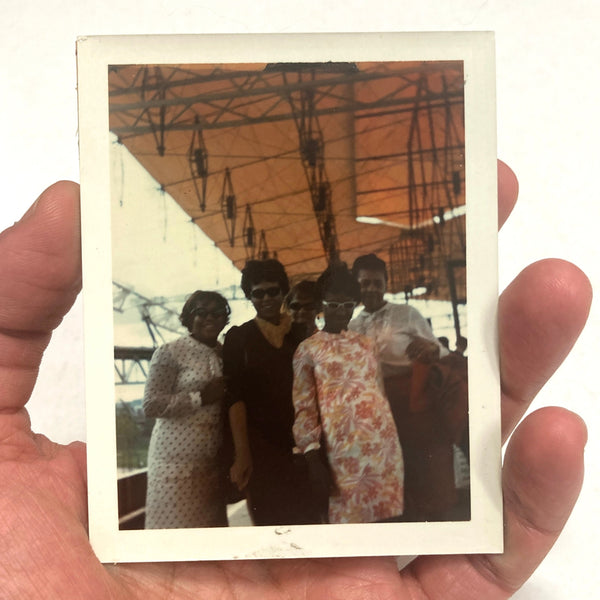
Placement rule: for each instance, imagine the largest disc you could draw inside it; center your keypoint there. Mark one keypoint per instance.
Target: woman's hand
(213, 391)
(422, 350)
(240, 471)
(321, 482)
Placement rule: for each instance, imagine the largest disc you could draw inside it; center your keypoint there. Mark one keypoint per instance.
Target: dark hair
(257, 271)
(337, 279)
(197, 298)
(305, 287)
(369, 262)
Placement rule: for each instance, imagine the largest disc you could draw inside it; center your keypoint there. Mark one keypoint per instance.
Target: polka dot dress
(183, 475)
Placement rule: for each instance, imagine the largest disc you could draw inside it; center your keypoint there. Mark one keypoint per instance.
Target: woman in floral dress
(184, 392)
(341, 413)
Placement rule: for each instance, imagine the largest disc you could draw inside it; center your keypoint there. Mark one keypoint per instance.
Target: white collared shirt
(393, 327)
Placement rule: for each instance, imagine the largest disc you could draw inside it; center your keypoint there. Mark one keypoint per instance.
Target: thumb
(40, 277)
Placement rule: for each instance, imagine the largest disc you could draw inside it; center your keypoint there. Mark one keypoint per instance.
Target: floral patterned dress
(338, 401)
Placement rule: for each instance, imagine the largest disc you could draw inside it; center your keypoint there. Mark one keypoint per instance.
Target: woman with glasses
(258, 369)
(341, 415)
(302, 304)
(184, 392)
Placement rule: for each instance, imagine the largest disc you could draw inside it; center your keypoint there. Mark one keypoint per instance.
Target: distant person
(184, 392)
(343, 423)
(459, 361)
(302, 304)
(258, 368)
(407, 349)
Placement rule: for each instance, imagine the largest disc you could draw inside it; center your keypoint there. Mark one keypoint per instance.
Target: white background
(548, 124)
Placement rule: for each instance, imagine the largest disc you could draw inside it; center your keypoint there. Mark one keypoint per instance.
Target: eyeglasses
(259, 293)
(303, 305)
(335, 305)
(203, 313)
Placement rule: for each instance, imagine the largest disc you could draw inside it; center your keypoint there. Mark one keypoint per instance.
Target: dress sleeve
(233, 365)
(160, 398)
(372, 349)
(419, 326)
(307, 422)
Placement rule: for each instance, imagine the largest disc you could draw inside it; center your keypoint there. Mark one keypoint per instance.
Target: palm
(47, 501)
(45, 552)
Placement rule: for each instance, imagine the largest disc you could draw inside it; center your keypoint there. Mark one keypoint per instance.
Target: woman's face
(208, 322)
(267, 297)
(372, 288)
(303, 309)
(337, 311)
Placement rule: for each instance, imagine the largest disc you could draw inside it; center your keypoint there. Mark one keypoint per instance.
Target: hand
(213, 391)
(45, 552)
(321, 483)
(422, 350)
(240, 471)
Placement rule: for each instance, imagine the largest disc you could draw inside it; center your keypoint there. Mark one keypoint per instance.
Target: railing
(132, 500)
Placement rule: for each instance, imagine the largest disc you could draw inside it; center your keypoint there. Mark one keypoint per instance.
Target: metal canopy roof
(282, 159)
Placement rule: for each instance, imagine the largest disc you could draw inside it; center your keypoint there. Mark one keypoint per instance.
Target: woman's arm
(160, 399)
(242, 465)
(234, 352)
(308, 430)
(307, 422)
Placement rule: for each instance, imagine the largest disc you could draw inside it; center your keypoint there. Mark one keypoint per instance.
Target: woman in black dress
(257, 363)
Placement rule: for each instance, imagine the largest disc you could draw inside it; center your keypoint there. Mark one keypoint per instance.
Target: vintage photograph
(296, 242)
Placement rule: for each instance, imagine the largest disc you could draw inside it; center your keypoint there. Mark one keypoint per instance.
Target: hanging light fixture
(154, 92)
(456, 183)
(229, 207)
(263, 248)
(323, 196)
(249, 233)
(198, 160)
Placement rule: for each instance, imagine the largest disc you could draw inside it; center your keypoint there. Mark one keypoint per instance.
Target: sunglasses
(203, 314)
(260, 293)
(303, 305)
(351, 305)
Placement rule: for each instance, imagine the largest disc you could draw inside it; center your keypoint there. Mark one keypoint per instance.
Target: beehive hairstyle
(257, 271)
(337, 279)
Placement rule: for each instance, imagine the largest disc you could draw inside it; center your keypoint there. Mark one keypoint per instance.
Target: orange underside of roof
(280, 160)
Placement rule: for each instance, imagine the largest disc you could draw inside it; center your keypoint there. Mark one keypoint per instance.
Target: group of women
(314, 439)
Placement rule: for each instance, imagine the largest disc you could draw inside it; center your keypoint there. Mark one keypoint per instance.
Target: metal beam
(189, 125)
(266, 77)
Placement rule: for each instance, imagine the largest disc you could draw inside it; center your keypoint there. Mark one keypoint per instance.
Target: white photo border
(484, 532)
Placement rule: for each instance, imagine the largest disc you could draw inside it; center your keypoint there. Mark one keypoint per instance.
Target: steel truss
(224, 109)
(131, 365)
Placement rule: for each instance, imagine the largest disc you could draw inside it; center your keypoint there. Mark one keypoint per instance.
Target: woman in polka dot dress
(184, 392)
